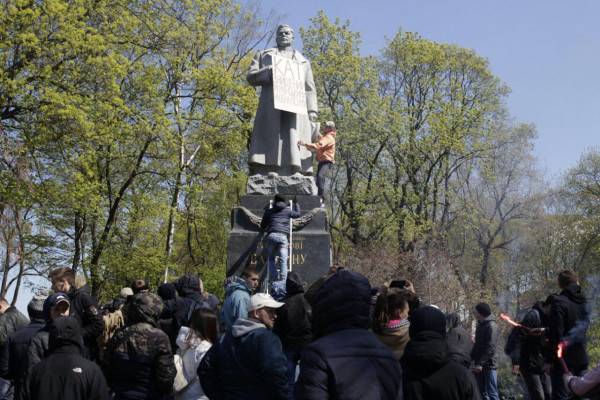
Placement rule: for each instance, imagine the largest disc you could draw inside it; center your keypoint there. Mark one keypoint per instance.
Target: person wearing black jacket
(429, 372)
(484, 352)
(346, 361)
(189, 289)
(65, 374)
(293, 325)
(526, 352)
(459, 341)
(84, 308)
(13, 354)
(276, 223)
(568, 323)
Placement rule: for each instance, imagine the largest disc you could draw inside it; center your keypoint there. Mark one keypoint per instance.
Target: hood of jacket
(425, 353)
(65, 332)
(144, 307)
(234, 283)
(342, 302)
(294, 284)
(187, 285)
(167, 291)
(243, 326)
(280, 205)
(573, 292)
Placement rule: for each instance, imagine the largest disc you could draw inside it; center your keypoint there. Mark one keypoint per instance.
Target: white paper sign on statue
(288, 85)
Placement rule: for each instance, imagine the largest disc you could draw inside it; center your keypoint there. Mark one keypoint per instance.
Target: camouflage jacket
(138, 362)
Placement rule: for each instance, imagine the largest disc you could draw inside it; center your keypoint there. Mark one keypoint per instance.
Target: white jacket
(191, 350)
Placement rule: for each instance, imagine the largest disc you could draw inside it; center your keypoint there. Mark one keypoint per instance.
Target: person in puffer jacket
(192, 345)
(138, 362)
(429, 373)
(346, 361)
(248, 363)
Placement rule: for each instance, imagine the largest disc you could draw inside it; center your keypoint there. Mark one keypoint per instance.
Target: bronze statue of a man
(273, 145)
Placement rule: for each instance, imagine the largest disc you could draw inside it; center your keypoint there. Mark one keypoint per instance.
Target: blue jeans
(293, 356)
(277, 246)
(487, 380)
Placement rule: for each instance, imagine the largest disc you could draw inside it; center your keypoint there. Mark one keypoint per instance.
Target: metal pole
(290, 242)
(267, 260)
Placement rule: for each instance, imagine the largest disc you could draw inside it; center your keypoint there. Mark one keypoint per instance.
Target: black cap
(483, 309)
(52, 301)
(427, 318)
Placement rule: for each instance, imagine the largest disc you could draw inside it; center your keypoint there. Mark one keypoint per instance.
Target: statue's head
(285, 35)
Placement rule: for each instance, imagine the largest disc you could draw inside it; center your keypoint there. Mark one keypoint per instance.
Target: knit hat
(330, 125)
(35, 308)
(483, 309)
(126, 292)
(167, 291)
(427, 318)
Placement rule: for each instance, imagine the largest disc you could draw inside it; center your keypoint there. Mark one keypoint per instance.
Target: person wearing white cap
(248, 362)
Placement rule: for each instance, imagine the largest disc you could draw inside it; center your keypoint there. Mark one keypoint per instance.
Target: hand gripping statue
(273, 145)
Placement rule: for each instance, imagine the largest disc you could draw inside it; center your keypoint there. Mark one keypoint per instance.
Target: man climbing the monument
(325, 149)
(277, 129)
(276, 224)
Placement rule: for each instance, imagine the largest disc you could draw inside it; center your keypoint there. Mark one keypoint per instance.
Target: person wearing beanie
(55, 305)
(346, 361)
(65, 374)
(483, 354)
(429, 372)
(13, 354)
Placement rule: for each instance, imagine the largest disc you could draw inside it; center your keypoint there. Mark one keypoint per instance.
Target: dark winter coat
(293, 324)
(430, 374)
(11, 321)
(569, 320)
(65, 374)
(38, 347)
(13, 359)
(459, 346)
(346, 361)
(190, 298)
(84, 308)
(486, 339)
(248, 363)
(531, 347)
(277, 219)
(138, 361)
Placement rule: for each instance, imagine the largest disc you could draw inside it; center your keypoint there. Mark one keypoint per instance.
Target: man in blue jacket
(276, 224)
(248, 363)
(238, 290)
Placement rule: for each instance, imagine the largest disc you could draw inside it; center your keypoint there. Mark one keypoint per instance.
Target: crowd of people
(339, 338)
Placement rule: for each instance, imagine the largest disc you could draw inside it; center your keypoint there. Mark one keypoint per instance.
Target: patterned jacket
(138, 362)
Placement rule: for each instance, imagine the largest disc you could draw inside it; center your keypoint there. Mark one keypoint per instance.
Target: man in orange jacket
(325, 149)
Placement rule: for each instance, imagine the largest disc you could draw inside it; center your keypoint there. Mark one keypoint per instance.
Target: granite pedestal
(311, 243)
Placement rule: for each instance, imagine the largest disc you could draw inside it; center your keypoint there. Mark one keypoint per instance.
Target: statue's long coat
(276, 133)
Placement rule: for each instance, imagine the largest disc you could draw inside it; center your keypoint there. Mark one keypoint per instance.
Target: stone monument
(287, 113)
